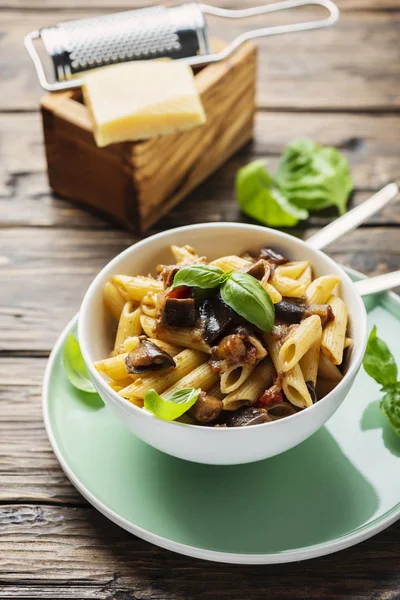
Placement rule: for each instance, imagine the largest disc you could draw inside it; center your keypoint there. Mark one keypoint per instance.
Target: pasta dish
(237, 341)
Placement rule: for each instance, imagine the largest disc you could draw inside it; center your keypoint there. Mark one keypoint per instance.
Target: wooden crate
(136, 183)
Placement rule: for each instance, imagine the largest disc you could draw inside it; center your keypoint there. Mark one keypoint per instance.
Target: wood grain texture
(361, 54)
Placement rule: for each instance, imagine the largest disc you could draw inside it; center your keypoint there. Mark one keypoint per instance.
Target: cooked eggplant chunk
(311, 391)
(215, 317)
(290, 312)
(247, 415)
(259, 270)
(272, 256)
(280, 411)
(206, 409)
(147, 356)
(179, 312)
(324, 311)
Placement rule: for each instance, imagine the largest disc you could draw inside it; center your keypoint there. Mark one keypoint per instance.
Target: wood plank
(34, 261)
(58, 547)
(360, 54)
(371, 144)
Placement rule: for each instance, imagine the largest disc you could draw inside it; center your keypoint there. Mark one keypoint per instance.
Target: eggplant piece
(311, 391)
(247, 415)
(215, 318)
(206, 408)
(231, 348)
(179, 312)
(147, 356)
(258, 270)
(280, 411)
(324, 311)
(272, 256)
(290, 312)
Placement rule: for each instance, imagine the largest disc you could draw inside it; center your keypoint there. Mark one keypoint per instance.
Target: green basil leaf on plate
(260, 198)
(390, 405)
(246, 296)
(176, 405)
(75, 367)
(202, 276)
(378, 361)
(314, 177)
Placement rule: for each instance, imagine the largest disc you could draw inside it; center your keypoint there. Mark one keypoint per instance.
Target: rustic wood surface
(339, 86)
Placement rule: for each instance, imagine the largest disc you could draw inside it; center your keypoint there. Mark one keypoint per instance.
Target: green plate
(334, 490)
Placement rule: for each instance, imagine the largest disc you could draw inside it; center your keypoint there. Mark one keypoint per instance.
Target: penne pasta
(203, 377)
(299, 342)
(309, 362)
(332, 343)
(113, 300)
(180, 336)
(293, 382)
(234, 376)
(131, 343)
(321, 289)
(293, 270)
(186, 361)
(129, 324)
(148, 304)
(347, 342)
(306, 277)
(184, 254)
(251, 389)
(231, 263)
(286, 286)
(134, 288)
(272, 292)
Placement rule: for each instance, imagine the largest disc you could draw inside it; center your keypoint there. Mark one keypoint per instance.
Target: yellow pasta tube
(260, 350)
(309, 362)
(327, 370)
(186, 361)
(321, 288)
(203, 377)
(293, 270)
(306, 277)
(184, 254)
(231, 263)
(332, 343)
(299, 342)
(134, 288)
(148, 304)
(286, 286)
(293, 382)
(234, 376)
(131, 343)
(250, 390)
(129, 324)
(271, 291)
(347, 342)
(113, 300)
(181, 336)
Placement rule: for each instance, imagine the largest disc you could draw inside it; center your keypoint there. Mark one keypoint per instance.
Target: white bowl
(218, 446)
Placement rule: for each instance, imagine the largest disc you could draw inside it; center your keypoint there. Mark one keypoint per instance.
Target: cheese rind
(142, 99)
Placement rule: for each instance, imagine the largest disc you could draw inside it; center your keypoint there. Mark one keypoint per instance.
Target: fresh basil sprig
(246, 296)
(380, 364)
(178, 403)
(203, 276)
(240, 291)
(75, 367)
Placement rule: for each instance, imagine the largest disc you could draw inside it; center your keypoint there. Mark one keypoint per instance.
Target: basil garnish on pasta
(175, 406)
(75, 367)
(379, 363)
(240, 291)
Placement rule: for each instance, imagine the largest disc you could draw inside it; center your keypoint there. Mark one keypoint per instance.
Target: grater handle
(264, 31)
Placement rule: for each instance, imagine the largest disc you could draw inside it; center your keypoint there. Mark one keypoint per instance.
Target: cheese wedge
(142, 99)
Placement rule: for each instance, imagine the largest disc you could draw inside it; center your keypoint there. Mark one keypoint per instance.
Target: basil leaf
(246, 296)
(259, 198)
(75, 367)
(378, 361)
(202, 276)
(390, 405)
(314, 177)
(177, 404)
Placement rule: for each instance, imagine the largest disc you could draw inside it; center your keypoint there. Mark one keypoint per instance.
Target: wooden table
(339, 86)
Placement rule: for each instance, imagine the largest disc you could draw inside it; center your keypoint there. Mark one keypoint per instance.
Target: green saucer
(336, 489)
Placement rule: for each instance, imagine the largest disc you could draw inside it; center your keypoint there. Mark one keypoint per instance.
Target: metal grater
(178, 32)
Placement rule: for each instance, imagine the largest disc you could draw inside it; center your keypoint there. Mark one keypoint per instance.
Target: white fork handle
(380, 283)
(353, 218)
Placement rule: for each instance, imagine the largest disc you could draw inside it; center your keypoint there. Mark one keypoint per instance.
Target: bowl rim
(140, 413)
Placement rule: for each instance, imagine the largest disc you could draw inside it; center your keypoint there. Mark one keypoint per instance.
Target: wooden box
(136, 183)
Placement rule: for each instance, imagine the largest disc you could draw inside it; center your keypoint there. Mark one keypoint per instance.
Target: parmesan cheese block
(142, 99)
